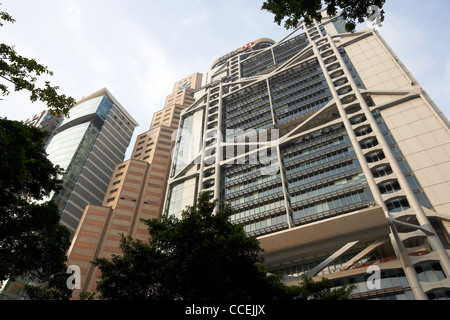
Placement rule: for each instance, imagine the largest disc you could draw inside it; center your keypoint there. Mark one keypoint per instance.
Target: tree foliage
(23, 74)
(308, 289)
(54, 288)
(202, 256)
(293, 11)
(32, 242)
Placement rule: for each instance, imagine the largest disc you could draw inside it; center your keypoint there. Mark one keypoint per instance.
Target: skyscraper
(88, 144)
(332, 154)
(136, 189)
(45, 121)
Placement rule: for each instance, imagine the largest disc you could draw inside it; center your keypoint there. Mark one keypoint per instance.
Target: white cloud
(73, 17)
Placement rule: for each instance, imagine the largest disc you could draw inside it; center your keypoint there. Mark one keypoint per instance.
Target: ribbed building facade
(331, 153)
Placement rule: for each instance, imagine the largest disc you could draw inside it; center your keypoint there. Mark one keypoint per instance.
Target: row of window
(259, 225)
(259, 105)
(313, 138)
(311, 107)
(259, 209)
(399, 204)
(287, 49)
(256, 195)
(296, 99)
(252, 183)
(312, 179)
(344, 202)
(252, 116)
(324, 160)
(335, 186)
(240, 99)
(426, 271)
(257, 64)
(293, 91)
(316, 149)
(300, 74)
(249, 172)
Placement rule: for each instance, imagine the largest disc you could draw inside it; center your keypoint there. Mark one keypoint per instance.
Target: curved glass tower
(87, 145)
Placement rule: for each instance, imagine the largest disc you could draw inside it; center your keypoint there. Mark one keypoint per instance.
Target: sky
(138, 49)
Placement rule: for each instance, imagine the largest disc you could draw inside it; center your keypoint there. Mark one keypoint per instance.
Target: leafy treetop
(202, 256)
(353, 11)
(23, 74)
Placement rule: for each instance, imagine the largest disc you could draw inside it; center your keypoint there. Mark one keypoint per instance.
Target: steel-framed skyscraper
(331, 153)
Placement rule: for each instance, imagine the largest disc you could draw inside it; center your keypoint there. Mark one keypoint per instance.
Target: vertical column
(205, 138)
(285, 191)
(219, 151)
(274, 119)
(433, 240)
(398, 246)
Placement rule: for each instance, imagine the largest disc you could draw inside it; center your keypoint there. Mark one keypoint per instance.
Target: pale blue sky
(138, 49)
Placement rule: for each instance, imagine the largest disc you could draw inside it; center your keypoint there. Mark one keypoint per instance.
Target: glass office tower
(88, 145)
(331, 153)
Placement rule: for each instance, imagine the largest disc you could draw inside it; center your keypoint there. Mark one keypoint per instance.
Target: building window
(389, 187)
(440, 294)
(382, 171)
(430, 272)
(398, 205)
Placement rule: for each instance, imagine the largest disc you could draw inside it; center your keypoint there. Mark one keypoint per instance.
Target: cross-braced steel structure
(331, 153)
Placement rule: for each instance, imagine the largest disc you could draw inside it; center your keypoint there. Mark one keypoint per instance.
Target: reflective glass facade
(88, 145)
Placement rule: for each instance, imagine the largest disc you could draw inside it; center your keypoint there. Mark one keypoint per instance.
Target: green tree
(23, 74)
(202, 256)
(54, 288)
(32, 242)
(308, 289)
(293, 11)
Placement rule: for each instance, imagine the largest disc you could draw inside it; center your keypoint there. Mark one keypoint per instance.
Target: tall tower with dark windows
(331, 153)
